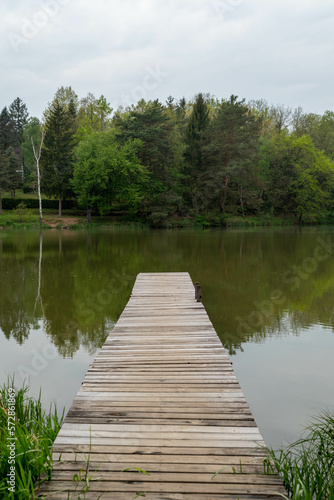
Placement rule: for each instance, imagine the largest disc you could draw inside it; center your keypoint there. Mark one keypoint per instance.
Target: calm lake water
(269, 294)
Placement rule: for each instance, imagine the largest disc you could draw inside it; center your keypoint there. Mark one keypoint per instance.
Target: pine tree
(198, 122)
(7, 130)
(232, 156)
(57, 153)
(4, 176)
(19, 115)
(194, 156)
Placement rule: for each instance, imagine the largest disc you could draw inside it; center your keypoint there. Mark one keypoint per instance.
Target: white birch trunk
(37, 155)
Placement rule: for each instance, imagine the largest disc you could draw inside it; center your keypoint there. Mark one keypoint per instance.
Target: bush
(12, 203)
(21, 211)
(27, 188)
(159, 220)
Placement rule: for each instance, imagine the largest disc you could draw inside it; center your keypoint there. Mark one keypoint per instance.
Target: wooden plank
(161, 395)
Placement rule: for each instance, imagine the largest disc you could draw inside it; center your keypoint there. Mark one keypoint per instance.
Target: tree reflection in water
(77, 283)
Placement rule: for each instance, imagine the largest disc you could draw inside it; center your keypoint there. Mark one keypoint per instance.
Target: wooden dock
(161, 396)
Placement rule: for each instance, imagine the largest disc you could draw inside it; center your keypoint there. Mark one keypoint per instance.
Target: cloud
(277, 50)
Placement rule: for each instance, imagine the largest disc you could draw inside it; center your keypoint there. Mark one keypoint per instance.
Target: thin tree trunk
(242, 207)
(37, 155)
(39, 191)
(89, 215)
(0, 203)
(60, 211)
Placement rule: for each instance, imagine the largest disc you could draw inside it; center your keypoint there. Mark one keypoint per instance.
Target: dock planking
(161, 396)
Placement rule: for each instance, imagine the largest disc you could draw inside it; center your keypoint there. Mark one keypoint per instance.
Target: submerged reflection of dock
(161, 396)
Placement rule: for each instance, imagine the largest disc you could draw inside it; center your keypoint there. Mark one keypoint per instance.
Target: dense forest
(204, 158)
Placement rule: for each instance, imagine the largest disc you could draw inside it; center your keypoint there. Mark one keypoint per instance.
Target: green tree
(232, 154)
(15, 170)
(4, 175)
(66, 97)
(149, 122)
(57, 153)
(32, 130)
(7, 130)
(94, 114)
(106, 171)
(301, 177)
(195, 142)
(19, 115)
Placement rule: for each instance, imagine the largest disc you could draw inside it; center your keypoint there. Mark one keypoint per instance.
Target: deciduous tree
(106, 171)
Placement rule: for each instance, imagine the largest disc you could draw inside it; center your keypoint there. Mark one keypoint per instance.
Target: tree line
(201, 157)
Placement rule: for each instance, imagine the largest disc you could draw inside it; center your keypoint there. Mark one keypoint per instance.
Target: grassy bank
(22, 216)
(73, 219)
(27, 433)
(307, 466)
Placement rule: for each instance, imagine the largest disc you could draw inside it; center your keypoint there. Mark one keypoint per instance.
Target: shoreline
(9, 221)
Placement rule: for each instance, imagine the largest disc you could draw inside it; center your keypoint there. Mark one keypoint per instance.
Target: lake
(269, 294)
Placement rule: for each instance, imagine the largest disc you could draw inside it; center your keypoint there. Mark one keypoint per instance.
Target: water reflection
(77, 283)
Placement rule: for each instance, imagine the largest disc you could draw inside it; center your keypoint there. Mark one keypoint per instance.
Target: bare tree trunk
(60, 211)
(37, 155)
(242, 207)
(89, 215)
(0, 203)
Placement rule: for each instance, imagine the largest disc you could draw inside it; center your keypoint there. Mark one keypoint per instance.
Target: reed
(307, 465)
(34, 432)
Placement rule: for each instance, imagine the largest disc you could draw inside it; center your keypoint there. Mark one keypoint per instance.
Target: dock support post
(198, 292)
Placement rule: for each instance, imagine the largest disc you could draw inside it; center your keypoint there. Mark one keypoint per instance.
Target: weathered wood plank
(161, 395)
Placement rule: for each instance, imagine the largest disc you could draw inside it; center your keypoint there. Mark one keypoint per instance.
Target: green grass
(10, 219)
(34, 431)
(21, 195)
(307, 466)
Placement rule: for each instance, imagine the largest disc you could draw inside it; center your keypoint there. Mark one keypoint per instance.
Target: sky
(278, 50)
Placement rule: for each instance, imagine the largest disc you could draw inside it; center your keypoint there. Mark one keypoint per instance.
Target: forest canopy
(201, 157)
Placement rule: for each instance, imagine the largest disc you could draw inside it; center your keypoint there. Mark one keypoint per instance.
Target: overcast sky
(280, 50)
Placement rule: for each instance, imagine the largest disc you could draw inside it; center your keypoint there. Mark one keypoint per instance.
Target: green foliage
(14, 170)
(232, 155)
(301, 177)
(4, 174)
(32, 130)
(7, 130)
(106, 171)
(93, 115)
(307, 466)
(21, 211)
(57, 152)
(19, 115)
(10, 176)
(35, 432)
(197, 124)
(204, 157)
